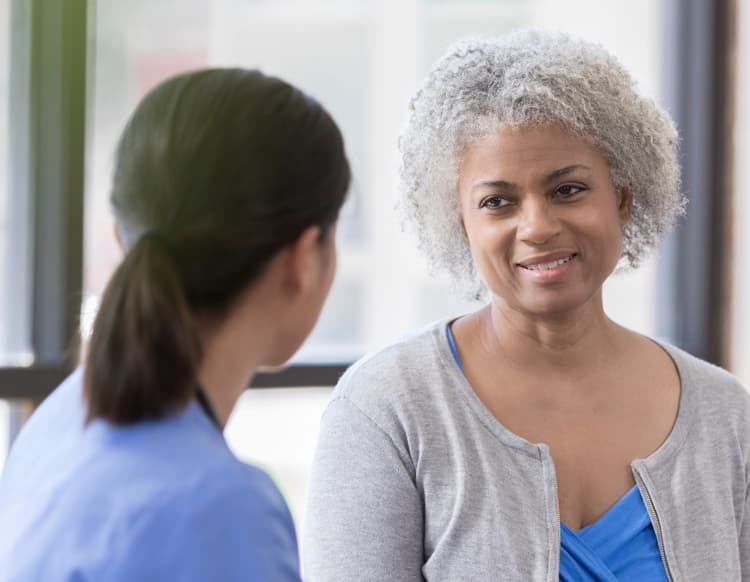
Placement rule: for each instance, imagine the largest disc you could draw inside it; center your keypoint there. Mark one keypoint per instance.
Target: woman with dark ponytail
(226, 193)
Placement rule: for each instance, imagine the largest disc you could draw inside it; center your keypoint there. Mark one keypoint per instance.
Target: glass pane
(363, 60)
(740, 324)
(15, 295)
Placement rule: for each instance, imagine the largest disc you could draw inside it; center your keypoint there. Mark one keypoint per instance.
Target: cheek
(487, 237)
(491, 247)
(615, 228)
(607, 238)
(332, 266)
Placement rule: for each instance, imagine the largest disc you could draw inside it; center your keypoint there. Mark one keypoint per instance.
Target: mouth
(547, 265)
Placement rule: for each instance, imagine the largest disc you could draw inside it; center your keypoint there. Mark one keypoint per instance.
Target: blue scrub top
(621, 545)
(153, 501)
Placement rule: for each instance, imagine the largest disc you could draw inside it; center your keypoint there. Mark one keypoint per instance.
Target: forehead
(512, 150)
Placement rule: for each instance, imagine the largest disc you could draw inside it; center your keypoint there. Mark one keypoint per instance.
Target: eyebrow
(553, 175)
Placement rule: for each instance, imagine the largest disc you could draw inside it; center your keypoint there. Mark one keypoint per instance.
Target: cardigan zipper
(655, 522)
(555, 549)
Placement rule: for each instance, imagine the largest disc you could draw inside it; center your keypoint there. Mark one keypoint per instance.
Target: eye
(493, 202)
(568, 190)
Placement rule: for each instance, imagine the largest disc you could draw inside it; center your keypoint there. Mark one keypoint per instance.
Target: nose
(538, 223)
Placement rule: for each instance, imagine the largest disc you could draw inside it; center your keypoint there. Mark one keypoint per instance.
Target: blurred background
(71, 71)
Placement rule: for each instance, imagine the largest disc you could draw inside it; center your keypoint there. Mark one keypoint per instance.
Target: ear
(625, 204)
(460, 210)
(118, 235)
(302, 264)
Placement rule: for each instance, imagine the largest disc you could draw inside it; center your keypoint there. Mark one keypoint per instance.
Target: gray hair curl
(529, 78)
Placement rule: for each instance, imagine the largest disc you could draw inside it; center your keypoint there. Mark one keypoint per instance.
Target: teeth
(550, 265)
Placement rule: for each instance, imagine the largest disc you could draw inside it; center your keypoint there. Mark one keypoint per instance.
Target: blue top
(153, 501)
(621, 545)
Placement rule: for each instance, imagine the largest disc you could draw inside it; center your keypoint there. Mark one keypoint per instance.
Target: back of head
(216, 171)
(527, 78)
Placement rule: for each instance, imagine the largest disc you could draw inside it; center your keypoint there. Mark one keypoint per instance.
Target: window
(14, 341)
(41, 135)
(362, 60)
(16, 185)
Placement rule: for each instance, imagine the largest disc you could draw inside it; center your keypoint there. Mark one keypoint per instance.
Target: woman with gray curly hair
(534, 439)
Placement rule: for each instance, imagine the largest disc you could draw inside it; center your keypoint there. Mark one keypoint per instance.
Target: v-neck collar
(622, 511)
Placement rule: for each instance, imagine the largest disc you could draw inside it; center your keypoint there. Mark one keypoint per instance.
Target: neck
(231, 356)
(575, 339)
(223, 382)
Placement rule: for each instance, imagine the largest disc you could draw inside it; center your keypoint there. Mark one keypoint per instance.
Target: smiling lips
(549, 267)
(547, 263)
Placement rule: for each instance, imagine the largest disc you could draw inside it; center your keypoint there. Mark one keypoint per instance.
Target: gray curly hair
(528, 78)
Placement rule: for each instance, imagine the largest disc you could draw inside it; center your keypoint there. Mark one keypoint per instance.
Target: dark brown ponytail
(144, 349)
(216, 171)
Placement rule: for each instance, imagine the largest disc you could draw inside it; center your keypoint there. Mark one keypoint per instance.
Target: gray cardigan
(414, 479)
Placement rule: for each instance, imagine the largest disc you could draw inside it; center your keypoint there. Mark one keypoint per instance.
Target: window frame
(48, 89)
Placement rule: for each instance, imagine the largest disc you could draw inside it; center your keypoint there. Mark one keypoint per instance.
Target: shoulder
(408, 374)
(187, 459)
(399, 391)
(243, 502)
(245, 498)
(711, 382)
(62, 410)
(233, 525)
(715, 395)
(52, 432)
(255, 491)
(390, 371)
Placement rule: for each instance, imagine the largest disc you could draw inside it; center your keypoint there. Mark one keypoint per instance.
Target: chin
(277, 362)
(551, 305)
(272, 368)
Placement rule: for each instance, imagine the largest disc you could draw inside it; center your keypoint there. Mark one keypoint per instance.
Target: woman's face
(542, 217)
